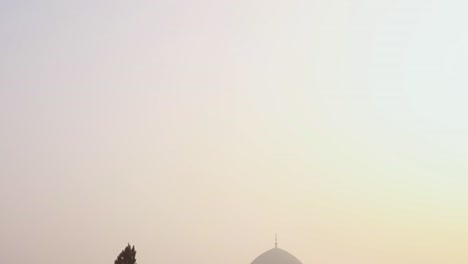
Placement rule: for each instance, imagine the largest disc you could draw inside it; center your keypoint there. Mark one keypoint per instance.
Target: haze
(196, 130)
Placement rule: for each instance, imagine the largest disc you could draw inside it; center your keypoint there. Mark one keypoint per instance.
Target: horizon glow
(196, 130)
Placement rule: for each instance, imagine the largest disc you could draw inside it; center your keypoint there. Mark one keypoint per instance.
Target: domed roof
(276, 256)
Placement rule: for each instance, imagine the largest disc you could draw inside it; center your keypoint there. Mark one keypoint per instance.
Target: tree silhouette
(127, 256)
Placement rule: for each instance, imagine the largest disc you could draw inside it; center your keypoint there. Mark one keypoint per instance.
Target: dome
(276, 256)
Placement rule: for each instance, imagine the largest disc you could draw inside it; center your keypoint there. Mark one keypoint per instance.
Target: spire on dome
(276, 240)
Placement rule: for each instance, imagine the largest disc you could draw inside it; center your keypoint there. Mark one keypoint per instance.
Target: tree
(127, 256)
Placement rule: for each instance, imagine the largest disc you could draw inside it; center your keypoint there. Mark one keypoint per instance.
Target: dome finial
(276, 240)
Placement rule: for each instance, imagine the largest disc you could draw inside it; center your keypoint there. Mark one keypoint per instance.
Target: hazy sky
(195, 130)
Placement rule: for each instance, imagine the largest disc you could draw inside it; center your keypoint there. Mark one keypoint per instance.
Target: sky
(196, 130)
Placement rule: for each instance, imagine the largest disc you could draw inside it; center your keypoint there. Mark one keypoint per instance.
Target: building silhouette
(276, 256)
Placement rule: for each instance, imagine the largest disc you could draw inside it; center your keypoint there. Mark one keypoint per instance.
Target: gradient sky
(195, 130)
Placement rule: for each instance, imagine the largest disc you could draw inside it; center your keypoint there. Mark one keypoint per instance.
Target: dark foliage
(127, 256)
